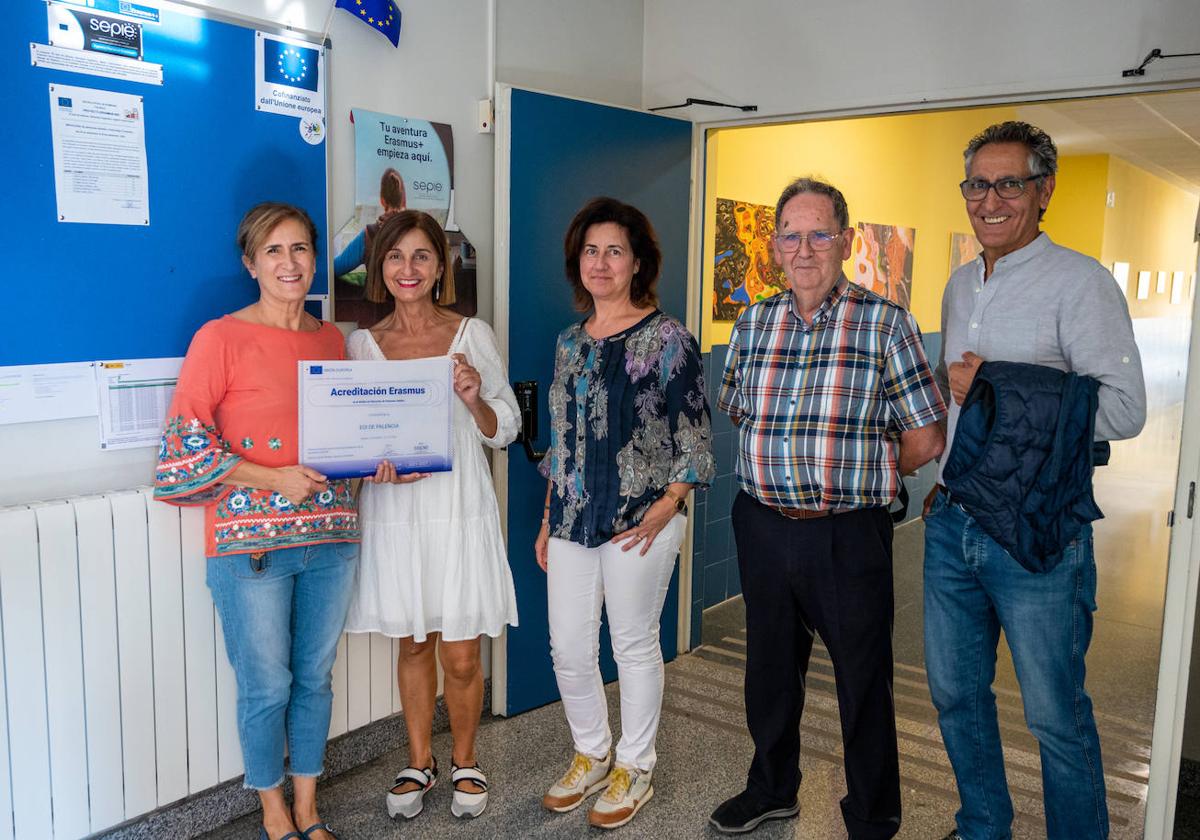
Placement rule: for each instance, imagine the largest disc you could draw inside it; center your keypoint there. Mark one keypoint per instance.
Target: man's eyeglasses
(974, 189)
(818, 240)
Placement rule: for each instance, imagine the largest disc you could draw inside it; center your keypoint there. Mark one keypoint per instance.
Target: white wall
(574, 47)
(581, 48)
(788, 57)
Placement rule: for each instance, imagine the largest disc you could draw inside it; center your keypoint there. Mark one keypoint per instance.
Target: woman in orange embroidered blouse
(236, 410)
(281, 540)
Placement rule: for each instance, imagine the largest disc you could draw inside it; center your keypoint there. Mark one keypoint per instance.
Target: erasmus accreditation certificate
(356, 414)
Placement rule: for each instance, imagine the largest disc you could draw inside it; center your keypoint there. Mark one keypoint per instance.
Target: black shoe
(954, 835)
(746, 811)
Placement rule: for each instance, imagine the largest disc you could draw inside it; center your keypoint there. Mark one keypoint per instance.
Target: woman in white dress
(433, 561)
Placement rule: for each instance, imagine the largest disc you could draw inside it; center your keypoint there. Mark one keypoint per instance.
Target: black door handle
(527, 400)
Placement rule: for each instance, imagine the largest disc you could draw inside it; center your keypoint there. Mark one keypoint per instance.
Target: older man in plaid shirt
(834, 400)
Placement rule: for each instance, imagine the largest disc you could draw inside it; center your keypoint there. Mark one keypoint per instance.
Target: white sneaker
(584, 777)
(409, 804)
(628, 790)
(465, 804)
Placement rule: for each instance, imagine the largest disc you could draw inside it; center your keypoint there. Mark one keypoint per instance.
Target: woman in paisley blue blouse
(629, 439)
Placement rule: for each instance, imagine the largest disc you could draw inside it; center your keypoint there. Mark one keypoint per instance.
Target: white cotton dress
(433, 557)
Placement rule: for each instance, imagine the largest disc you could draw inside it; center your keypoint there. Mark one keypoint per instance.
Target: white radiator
(117, 695)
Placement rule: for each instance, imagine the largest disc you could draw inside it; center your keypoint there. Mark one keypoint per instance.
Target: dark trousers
(832, 576)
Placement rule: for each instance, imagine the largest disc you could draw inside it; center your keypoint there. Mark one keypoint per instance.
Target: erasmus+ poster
(421, 151)
(399, 164)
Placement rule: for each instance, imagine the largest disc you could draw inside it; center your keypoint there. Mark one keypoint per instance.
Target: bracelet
(680, 502)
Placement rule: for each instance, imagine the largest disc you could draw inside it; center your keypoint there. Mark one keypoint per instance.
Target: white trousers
(632, 588)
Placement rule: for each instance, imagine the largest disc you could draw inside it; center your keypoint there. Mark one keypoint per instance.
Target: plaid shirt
(820, 407)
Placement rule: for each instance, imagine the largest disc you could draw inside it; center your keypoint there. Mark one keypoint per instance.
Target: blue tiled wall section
(714, 559)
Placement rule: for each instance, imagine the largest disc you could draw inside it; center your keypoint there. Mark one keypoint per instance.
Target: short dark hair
(642, 240)
(263, 218)
(811, 185)
(1043, 154)
(391, 189)
(395, 228)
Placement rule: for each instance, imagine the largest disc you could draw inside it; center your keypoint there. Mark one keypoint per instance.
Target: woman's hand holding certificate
(354, 415)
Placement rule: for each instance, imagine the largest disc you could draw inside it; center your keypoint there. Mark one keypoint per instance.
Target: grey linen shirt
(1046, 305)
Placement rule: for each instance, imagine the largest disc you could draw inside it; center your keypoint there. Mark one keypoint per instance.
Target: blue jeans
(282, 614)
(973, 590)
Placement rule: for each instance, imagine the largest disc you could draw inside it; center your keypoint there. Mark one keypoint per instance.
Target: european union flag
(380, 15)
(289, 64)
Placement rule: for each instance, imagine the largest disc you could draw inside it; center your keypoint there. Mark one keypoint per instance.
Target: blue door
(556, 154)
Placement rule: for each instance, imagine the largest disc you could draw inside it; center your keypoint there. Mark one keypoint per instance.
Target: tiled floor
(703, 754)
(704, 750)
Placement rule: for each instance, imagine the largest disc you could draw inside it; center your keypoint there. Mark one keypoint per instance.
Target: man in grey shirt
(1024, 299)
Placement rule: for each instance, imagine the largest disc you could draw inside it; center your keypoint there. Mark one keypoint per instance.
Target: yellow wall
(904, 170)
(1151, 228)
(897, 170)
(1075, 218)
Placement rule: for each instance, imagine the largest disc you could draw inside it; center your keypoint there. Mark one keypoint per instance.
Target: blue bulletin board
(82, 291)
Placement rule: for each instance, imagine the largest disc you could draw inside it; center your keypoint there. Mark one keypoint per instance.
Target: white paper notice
(99, 156)
(32, 393)
(95, 64)
(134, 398)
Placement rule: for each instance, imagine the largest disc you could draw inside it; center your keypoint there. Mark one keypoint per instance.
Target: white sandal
(468, 804)
(409, 804)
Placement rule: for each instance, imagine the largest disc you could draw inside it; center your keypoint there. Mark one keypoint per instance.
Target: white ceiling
(1158, 132)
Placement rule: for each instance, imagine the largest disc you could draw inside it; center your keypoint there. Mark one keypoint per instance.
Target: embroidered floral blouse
(237, 398)
(628, 416)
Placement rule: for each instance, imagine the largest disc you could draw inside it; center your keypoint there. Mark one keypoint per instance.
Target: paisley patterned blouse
(628, 416)
(238, 398)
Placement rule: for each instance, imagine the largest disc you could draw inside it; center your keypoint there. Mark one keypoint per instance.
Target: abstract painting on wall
(963, 248)
(883, 260)
(744, 271)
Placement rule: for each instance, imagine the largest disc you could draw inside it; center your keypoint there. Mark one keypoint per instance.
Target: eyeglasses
(974, 189)
(818, 240)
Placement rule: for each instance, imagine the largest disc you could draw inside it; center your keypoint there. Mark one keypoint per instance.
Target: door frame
(1179, 609)
(1183, 561)
(501, 123)
(500, 321)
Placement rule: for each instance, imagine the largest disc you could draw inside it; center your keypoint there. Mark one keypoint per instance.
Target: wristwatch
(680, 501)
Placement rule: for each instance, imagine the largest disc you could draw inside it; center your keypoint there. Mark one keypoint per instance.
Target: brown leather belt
(802, 513)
